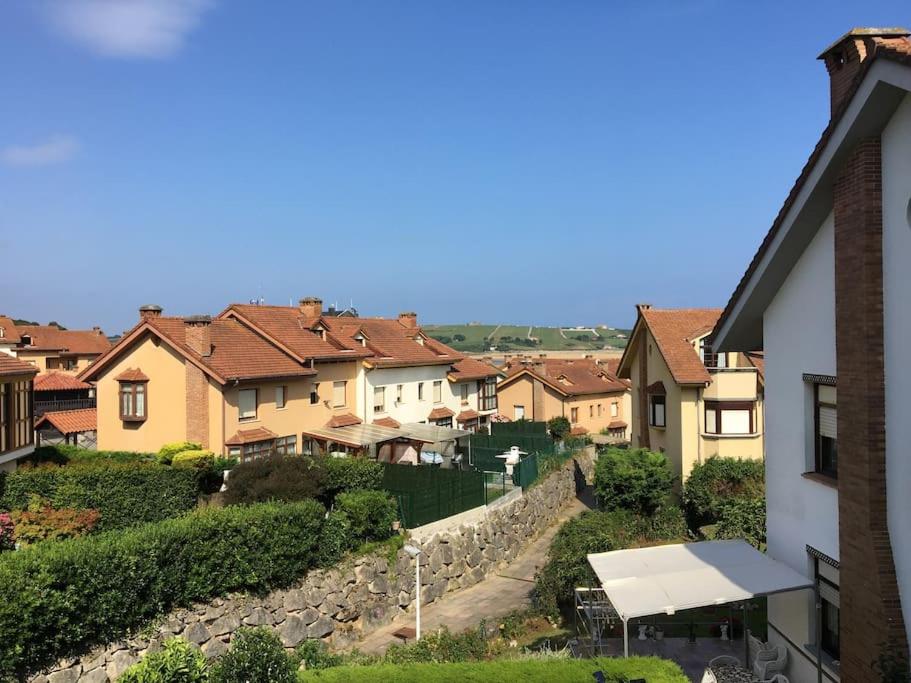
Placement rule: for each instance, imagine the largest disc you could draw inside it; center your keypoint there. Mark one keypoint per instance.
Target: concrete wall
(798, 331)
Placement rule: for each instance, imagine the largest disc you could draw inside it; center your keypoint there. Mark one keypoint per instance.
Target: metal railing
(42, 407)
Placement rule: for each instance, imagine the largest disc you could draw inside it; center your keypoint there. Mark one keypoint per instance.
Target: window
(573, 415)
(338, 394)
(599, 410)
(656, 410)
(614, 409)
(314, 394)
(438, 391)
(444, 422)
(15, 415)
(399, 392)
(420, 391)
(463, 392)
(709, 358)
(826, 433)
(827, 578)
(234, 451)
(280, 395)
(70, 364)
(729, 417)
(519, 412)
(379, 399)
(260, 449)
(133, 402)
(246, 404)
(591, 411)
(487, 399)
(286, 445)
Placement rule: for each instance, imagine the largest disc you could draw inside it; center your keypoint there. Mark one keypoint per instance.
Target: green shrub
(278, 478)
(370, 513)
(349, 474)
(124, 493)
(615, 670)
(313, 654)
(596, 531)
(167, 452)
(637, 480)
(63, 454)
(743, 518)
(197, 458)
(176, 662)
(59, 599)
(335, 539)
(440, 646)
(717, 480)
(558, 427)
(256, 656)
(220, 464)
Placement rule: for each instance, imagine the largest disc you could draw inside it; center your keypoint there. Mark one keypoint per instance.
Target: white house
(827, 296)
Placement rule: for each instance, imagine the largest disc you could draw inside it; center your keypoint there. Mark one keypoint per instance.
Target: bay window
(730, 417)
(657, 410)
(133, 401)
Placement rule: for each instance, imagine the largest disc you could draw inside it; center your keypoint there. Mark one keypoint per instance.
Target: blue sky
(528, 162)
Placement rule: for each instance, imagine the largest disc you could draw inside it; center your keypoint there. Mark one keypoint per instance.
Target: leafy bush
(335, 539)
(62, 454)
(440, 646)
(717, 480)
(597, 532)
(176, 662)
(220, 464)
(370, 513)
(637, 480)
(558, 427)
(313, 654)
(278, 478)
(197, 458)
(167, 452)
(124, 493)
(41, 522)
(349, 474)
(743, 518)
(256, 656)
(615, 670)
(59, 599)
(7, 541)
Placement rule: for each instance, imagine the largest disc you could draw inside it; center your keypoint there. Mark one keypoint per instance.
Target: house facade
(826, 297)
(586, 391)
(17, 435)
(689, 401)
(51, 349)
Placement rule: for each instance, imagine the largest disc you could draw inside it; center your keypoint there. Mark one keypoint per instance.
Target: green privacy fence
(426, 494)
(519, 427)
(526, 442)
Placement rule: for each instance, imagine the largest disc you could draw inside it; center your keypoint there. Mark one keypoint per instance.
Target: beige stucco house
(49, 348)
(687, 401)
(584, 390)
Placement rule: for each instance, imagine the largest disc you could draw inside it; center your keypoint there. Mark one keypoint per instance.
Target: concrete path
(494, 597)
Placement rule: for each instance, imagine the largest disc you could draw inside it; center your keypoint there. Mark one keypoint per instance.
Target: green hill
(476, 338)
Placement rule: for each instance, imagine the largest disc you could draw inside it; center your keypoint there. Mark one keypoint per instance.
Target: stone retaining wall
(342, 604)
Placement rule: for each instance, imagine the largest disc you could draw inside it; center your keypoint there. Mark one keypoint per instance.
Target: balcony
(730, 384)
(42, 407)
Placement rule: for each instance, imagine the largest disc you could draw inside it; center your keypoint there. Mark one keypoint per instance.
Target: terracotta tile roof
(10, 335)
(70, 421)
(578, 431)
(51, 338)
(571, 377)
(617, 424)
(59, 381)
(389, 342)
(131, 375)
(757, 360)
(387, 422)
(656, 388)
(674, 330)
(467, 415)
(345, 420)
(471, 368)
(14, 366)
(895, 50)
(243, 436)
(286, 326)
(440, 414)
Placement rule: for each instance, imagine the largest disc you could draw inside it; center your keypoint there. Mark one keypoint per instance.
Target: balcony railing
(42, 407)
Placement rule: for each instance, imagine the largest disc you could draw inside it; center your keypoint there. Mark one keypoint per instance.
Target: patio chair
(708, 676)
(770, 662)
(724, 660)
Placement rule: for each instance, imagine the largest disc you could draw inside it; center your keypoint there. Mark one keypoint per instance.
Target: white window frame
(247, 415)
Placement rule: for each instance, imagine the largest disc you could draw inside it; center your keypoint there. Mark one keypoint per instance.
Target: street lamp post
(415, 552)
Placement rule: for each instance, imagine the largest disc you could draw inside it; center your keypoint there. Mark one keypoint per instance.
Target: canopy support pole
(625, 639)
(818, 601)
(746, 636)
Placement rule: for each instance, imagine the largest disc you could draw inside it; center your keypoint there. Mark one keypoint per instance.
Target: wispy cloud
(54, 150)
(139, 29)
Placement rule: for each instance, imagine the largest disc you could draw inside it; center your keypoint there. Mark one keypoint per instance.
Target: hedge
(62, 454)
(370, 514)
(717, 481)
(636, 480)
(652, 669)
(125, 493)
(348, 474)
(59, 599)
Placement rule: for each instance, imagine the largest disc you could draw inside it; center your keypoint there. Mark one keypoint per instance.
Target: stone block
(293, 631)
(214, 648)
(70, 675)
(227, 624)
(95, 676)
(259, 617)
(120, 662)
(321, 628)
(197, 633)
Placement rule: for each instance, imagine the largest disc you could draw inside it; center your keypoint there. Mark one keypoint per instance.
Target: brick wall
(642, 353)
(843, 65)
(870, 604)
(197, 406)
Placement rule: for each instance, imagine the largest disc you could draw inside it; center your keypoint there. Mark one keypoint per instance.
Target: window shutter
(829, 593)
(711, 421)
(828, 422)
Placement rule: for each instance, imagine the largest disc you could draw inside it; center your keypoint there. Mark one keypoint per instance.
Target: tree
(558, 427)
(636, 480)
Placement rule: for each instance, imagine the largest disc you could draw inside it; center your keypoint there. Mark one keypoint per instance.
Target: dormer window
(26, 339)
(419, 340)
(709, 358)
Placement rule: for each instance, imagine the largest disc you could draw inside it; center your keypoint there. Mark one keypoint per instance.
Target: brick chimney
(409, 319)
(198, 333)
(845, 57)
(310, 307)
(150, 311)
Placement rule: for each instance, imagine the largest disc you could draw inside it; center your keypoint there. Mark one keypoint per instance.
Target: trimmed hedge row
(59, 599)
(553, 670)
(716, 482)
(638, 480)
(62, 454)
(125, 493)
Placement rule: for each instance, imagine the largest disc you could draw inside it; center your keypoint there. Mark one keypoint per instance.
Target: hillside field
(480, 338)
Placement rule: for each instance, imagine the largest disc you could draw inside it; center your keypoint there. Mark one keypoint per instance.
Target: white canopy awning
(664, 579)
(360, 435)
(431, 433)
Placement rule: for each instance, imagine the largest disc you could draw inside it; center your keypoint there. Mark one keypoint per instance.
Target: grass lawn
(478, 338)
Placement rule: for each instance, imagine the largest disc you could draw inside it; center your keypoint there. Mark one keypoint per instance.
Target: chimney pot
(150, 311)
(310, 307)
(409, 319)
